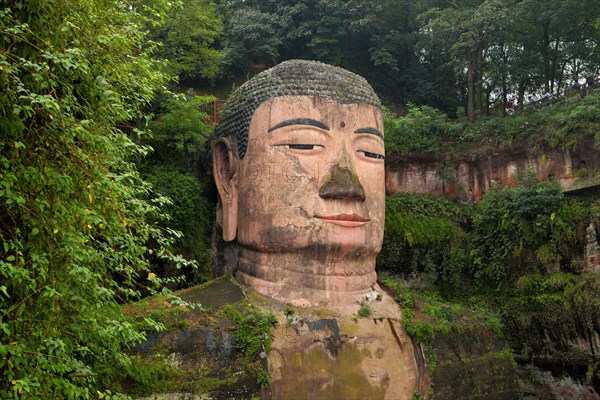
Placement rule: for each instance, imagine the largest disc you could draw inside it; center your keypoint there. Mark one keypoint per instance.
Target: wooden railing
(213, 110)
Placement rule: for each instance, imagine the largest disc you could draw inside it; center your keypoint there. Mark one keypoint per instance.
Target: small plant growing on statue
(252, 329)
(264, 378)
(291, 316)
(289, 312)
(364, 311)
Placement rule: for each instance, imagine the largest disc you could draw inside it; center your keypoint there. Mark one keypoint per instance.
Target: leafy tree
(422, 128)
(467, 28)
(373, 39)
(187, 39)
(445, 54)
(191, 212)
(179, 134)
(76, 218)
(252, 41)
(177, 168)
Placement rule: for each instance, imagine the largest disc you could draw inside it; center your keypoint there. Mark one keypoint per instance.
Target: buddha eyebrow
(299, 121)
(372, 131)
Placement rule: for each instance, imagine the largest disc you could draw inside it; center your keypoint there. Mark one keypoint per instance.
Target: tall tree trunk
(504, 80)
(546, 55)
(471, 87)
(481, 94)
(522, 86)
(553, 70)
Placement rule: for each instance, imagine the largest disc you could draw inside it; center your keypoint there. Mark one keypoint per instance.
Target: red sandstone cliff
(471, 175)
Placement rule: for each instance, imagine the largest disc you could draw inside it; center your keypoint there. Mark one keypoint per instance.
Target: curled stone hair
(290, 78)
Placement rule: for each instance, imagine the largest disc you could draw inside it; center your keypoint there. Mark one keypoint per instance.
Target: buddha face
(312, 180)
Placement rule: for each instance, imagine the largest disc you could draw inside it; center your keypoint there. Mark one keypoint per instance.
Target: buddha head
(298, 161)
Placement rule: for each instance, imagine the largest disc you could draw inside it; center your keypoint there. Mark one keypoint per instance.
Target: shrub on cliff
(531, 228)
(177, 168)
(425, 234)
(423, 128)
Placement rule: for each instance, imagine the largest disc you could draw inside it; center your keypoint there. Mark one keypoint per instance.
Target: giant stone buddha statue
(299, 165)
(298, 160)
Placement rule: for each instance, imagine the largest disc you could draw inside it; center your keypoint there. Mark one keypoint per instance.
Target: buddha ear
(226, 181)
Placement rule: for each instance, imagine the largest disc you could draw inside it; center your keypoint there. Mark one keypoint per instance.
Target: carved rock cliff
(467, 177)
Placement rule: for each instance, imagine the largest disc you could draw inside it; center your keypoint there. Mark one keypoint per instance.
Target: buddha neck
(308, 278)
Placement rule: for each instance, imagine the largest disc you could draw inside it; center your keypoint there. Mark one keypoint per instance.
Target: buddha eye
(368, 154)
(303, 146)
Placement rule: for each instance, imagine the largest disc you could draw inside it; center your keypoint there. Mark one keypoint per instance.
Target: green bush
(252, 329)
(423, 128)
(530, 228)
(424, 233)
(176, 168)
(76, 218)
(191, 213)
(546, 314)
(179, 134)
(525, 229)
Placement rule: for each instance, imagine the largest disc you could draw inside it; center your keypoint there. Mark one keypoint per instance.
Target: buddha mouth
(348, 220)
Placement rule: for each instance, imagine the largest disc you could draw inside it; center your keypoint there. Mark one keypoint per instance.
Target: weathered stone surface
(470, 177)
(298, 160)
(201, 357)
(333, 354)
(298, 243)
(224, 254)
(317, 353)
(537, 384)
(475, 365)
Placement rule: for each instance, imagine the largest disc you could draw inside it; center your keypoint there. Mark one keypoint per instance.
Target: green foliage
(423, 128)
(522, 230)
(252, 329)
(421, 330)
(187, 39)
(264, 378)
(375, 40)
(179, 134)
(150, 376)
(530, 228)
(574, 120)
(438, 316)
(175, 169)
(159, 313)
(364, 311)
(191, 213)
(449, 55)
(424, 233)
(253, 38)
(583, 299)
(429, 318)
(545, 315)
(76, 216)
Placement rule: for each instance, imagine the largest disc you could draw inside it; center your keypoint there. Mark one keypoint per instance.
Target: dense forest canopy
(100, 120)
(446, 54)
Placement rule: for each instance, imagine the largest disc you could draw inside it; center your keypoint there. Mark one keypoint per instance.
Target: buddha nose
(343, 184)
